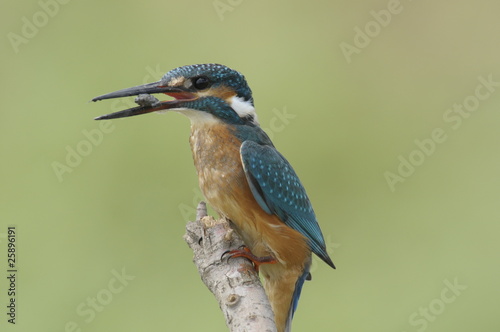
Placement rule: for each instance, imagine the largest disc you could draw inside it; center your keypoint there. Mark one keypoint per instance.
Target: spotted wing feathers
(279, 191)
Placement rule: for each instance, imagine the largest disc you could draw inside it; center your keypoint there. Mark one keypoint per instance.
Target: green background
(350, 119)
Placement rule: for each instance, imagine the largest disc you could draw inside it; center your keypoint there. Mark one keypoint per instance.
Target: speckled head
(217, 75)
(204, 92)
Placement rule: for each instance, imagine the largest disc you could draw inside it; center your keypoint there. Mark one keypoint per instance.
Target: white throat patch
(244, 108)
(198, 117)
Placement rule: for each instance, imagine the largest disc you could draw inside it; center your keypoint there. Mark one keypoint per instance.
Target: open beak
(180, 94)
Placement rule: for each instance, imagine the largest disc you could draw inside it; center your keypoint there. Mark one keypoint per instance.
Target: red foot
(246, 253)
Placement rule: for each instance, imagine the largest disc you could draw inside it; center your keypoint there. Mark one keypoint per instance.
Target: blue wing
(278, 190)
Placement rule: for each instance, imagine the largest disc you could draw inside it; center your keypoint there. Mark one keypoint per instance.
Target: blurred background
(388, 111)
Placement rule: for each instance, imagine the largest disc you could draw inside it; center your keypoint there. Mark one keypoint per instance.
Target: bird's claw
(243, 251)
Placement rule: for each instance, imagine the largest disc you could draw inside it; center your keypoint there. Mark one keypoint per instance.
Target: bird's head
(205, 92)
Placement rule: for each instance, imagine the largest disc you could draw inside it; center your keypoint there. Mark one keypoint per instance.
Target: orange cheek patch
(222, 92)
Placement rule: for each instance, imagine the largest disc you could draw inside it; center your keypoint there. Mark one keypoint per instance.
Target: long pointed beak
(179, 93)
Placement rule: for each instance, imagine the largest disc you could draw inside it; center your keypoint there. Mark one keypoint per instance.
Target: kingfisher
(242, 176)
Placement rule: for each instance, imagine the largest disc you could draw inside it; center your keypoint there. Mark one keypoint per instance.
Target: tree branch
(234, 282)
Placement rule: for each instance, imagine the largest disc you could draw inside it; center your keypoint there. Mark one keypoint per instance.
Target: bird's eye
(201, 83)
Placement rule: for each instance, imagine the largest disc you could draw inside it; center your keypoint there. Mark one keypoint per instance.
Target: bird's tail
(306, 275)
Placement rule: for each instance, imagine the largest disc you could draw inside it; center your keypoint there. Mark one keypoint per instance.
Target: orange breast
(216, 154)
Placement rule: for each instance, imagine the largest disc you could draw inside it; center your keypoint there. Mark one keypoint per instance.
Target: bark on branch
(234, 282)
